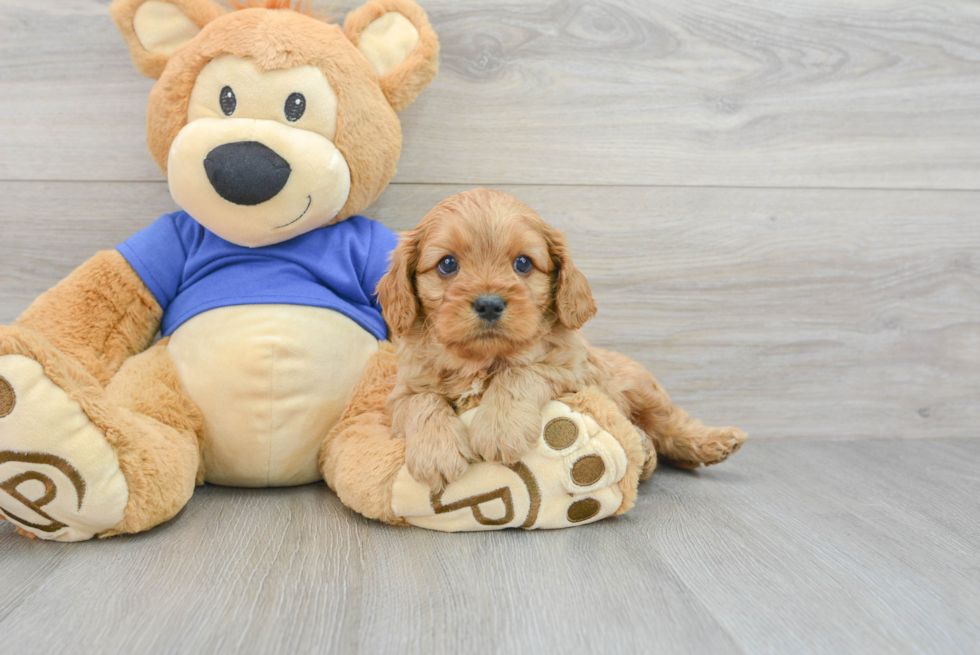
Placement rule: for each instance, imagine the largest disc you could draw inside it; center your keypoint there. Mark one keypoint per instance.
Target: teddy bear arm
(100, 315)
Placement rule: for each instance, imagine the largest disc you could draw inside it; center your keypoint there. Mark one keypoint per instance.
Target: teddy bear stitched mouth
(309, 201)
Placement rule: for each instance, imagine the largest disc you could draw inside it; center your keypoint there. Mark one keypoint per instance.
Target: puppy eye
(523, 264)
(447, 265)
(295, 106)
(227, 100)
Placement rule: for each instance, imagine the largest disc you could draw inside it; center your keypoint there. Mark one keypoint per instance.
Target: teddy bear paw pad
(59, 478)
(570, 477)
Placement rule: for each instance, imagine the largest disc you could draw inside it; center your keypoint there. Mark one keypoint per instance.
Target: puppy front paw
(504, 436)
(437, 458)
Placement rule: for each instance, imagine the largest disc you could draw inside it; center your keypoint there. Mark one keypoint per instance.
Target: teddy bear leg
(640, 453)
(161, 458)
(585, 466)
(77, 460)
(361, 463)
(359, 458)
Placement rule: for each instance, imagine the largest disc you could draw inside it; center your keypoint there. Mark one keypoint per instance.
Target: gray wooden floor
(778, 205)
(794, 547)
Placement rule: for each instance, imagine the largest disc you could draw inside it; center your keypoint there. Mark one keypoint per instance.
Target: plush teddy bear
(274, 129)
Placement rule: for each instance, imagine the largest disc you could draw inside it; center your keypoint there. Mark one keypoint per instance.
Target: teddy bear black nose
(489, 307)
(246, 172)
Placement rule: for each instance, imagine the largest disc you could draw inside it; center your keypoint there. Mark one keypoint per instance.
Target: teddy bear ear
(396, 38)
(154, 29)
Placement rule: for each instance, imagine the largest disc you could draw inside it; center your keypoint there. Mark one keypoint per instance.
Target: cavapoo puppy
(485, 305)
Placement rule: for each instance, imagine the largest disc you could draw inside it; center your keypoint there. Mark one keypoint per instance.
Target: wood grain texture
(790, 313)
(802, 547)
(688, 150)
(724, 92)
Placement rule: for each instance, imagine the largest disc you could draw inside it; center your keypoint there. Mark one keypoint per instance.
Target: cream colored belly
(270, 380)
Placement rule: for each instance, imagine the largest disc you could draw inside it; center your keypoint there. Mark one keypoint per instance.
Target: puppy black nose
(489, 307)
(246, 172)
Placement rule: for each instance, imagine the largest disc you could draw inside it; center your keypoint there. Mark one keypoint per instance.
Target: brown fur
(161, 453)
(301, 6)
(100, 315)
(450, 359)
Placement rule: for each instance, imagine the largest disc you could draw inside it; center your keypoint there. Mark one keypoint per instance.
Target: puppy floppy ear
(154, 29)
(396, 290)
(396, 38)
(573, 294)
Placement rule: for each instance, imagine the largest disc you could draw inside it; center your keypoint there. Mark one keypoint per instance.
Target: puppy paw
(504, 436)
(728, 442)
(435, 469)
(715, 448)
(438, 457)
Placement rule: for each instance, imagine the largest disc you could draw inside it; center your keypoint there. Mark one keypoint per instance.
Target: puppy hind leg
(684, 442)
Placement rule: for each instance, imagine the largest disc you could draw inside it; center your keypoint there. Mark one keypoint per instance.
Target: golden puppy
(485, 305)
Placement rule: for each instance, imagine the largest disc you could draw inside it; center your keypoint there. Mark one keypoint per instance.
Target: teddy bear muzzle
(256, 182)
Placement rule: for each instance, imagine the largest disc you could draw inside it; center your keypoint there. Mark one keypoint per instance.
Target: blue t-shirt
(190, 270)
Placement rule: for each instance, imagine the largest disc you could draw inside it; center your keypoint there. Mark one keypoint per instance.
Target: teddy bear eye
(523, 264)
(447, 265)
(295, 106)
(227, 100)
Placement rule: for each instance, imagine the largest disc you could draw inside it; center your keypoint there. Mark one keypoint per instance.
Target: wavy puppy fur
(452, 358)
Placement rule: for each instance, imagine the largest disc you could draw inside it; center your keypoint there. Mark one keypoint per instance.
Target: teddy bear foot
(570, 477)
(59, 477)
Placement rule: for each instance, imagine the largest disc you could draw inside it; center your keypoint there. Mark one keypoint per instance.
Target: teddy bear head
(269, 122)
